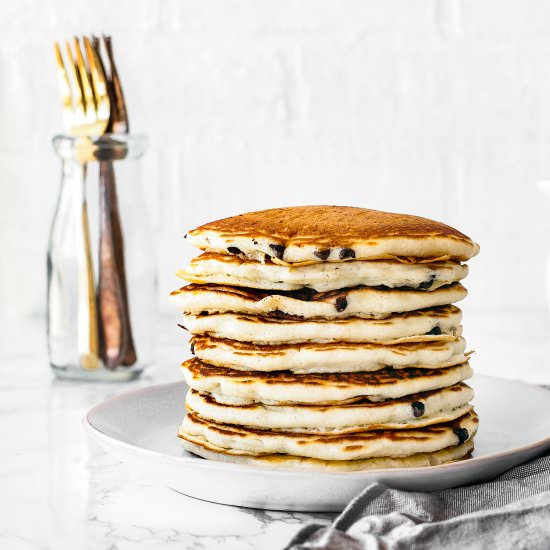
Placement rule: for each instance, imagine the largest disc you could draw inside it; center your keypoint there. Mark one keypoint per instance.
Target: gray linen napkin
(512, 511)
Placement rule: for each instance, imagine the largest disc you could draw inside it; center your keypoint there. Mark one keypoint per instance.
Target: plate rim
(202, 463)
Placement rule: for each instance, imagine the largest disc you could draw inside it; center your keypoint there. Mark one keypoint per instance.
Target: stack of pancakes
(324, 337)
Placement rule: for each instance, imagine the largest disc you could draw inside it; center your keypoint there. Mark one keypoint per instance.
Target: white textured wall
(440, 108)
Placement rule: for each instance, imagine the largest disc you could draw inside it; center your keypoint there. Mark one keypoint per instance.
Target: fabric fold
(511, 511)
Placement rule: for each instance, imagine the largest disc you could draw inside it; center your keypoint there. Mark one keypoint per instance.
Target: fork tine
(86, 87)
(96, 44)
(99, 84)
(77, 95)
(67, 94)
(63, 78)
(120, 124)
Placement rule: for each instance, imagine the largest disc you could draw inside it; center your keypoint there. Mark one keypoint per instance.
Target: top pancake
(332, 233)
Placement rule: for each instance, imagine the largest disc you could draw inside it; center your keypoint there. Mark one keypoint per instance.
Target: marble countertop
(58, 490)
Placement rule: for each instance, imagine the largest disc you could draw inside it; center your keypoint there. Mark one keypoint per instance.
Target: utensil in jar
(116, 340)
(86, 111)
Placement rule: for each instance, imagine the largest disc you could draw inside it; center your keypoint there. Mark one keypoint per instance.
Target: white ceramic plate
(139, 428)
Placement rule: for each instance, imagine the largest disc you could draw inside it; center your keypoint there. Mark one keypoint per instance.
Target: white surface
(58, 493)
(437, 107)
(138, 428)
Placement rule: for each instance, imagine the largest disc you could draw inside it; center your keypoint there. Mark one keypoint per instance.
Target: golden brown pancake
(332, 233)
(360, 301)
(355, 446)
(419, 460)
(411, 411)
(287, 387)
(268, 330)
(330, 356)
(228, 269)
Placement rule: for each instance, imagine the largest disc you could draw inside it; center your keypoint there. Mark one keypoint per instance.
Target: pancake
(328, 357)
(413, 411)
(420, 460)
(268, 330)
(360, 301)
(283, 387)
(356, 446)
(232, 270)
(332, 233)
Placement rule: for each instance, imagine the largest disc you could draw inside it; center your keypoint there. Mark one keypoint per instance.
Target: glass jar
(101, 265)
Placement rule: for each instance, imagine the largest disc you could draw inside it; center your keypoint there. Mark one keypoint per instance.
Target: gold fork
(86, 110)
(86, 105)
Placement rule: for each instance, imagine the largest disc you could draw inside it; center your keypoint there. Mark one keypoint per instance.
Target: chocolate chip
(427, 284)
(278, 314)
(254, 241)
(279, 250)
(462, 434)
(418, 408)
(436, 331)
(341, 303)
(192, 347)
(234, 250)
(346, 253)
(304, 294)
(185, 236)
(322, 253)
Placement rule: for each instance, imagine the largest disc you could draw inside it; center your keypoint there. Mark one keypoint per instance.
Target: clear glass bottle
(101, 263)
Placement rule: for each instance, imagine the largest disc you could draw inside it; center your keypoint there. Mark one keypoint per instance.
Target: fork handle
(87, 316)
(116, 341)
